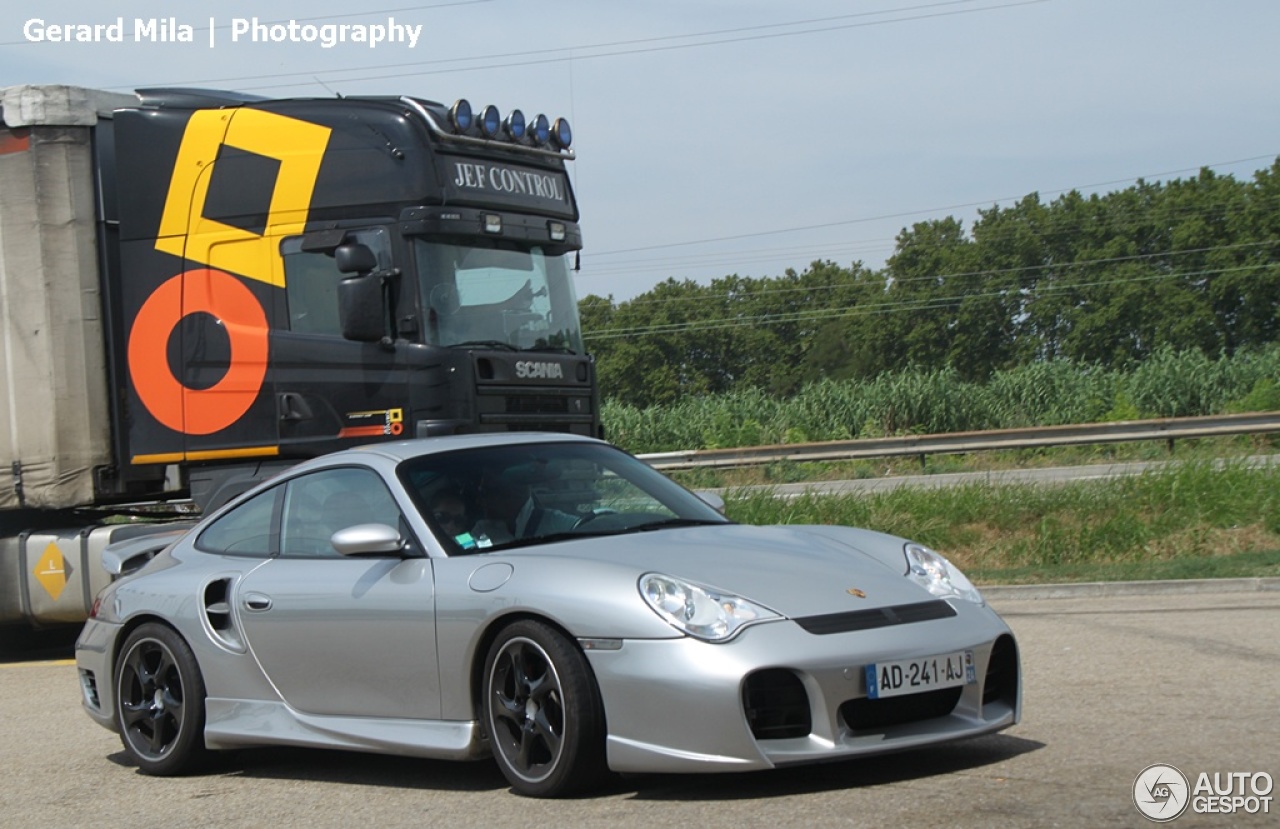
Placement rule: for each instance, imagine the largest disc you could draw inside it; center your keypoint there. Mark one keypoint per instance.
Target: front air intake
(1001, 682)
(869, 716)
(776, 705)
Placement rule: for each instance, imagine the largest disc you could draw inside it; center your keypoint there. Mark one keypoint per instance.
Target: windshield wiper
(571, 535)
(551, 349)
(551, 538)
(669, 523)
(496, 344)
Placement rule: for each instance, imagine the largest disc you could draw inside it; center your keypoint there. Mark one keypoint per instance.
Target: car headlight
(937, 575)
(702, 612)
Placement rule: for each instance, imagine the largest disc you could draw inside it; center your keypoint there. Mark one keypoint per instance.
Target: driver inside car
(511, 511)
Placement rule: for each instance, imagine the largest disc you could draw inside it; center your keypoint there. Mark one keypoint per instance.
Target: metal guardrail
(1169, 429)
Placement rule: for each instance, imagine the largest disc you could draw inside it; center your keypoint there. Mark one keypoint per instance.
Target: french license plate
(913, 676)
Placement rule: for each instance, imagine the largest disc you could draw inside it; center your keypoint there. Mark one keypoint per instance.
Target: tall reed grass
(929, 401)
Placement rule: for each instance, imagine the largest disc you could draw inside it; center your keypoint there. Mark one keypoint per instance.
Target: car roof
(401, 450)
(393, 452)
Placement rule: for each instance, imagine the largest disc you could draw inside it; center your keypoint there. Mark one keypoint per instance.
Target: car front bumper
(778, 695)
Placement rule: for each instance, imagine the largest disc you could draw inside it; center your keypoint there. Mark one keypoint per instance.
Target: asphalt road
(1112, 685)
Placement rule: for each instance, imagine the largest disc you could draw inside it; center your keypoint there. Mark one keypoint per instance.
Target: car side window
(247, 529)
(318, 505)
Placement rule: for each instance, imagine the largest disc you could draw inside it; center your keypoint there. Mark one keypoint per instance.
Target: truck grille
(539, 404)
(543, 408)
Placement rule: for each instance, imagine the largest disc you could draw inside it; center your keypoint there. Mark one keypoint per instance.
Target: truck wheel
(160, 702)
(542, 711)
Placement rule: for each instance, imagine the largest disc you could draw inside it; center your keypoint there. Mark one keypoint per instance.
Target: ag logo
(1161, 793)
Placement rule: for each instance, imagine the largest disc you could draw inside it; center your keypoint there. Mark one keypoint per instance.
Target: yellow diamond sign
(51, 571)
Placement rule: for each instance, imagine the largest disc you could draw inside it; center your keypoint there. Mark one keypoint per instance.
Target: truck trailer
(199, 288)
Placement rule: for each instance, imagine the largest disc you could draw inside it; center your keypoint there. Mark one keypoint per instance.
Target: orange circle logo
(237, 310)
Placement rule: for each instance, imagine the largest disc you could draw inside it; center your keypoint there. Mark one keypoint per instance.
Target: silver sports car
(548, 600)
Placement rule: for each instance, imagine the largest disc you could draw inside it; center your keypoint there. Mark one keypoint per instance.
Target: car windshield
(494, 498)
(497, 294)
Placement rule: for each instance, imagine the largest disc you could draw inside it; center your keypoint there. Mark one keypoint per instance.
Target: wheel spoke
(171, 694)
(506, 690)
(546, 733)
(137, 664)
(135, 713)
(544, 690)
(510, 711)
(525, 751)
(161, 728)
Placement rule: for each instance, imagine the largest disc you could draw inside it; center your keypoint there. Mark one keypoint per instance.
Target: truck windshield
(497, 294)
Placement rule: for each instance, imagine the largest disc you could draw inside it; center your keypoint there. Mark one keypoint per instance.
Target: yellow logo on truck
(184, 230)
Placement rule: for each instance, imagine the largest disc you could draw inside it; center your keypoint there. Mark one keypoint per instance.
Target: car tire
(160, 699)
(542, 712)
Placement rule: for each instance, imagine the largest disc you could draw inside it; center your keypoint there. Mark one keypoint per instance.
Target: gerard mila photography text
(385, 33)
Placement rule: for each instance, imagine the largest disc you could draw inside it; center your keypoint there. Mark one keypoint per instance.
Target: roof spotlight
(490, 121)
(540, 130)
(515, 124)
(460, 115)
(561, 134)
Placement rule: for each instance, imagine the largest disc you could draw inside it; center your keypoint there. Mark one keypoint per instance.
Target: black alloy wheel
(543, 712)
(160, 702)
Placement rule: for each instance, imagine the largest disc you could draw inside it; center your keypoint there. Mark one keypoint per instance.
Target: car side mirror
(712, 499)
(368, 539)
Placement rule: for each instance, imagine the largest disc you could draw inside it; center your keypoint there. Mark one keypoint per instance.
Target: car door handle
(257, 602)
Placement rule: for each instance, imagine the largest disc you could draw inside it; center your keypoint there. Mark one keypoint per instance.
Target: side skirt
(234, 723)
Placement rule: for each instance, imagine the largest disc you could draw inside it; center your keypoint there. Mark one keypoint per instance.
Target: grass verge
(1231, 566)
(1187, 521)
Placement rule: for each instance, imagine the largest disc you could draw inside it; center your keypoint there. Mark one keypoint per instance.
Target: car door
(339, 635)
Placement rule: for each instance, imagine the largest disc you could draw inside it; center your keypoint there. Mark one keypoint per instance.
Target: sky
(746, 137)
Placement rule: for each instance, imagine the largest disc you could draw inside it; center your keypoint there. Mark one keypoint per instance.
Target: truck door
(330, 390)
(200, 274)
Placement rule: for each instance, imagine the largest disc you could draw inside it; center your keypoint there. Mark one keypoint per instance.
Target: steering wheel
(593, 515)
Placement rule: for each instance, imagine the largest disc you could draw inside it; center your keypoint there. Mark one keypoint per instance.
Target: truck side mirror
(360, 308)
(355, 258)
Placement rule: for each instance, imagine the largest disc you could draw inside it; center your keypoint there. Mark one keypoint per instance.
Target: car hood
(794, 571)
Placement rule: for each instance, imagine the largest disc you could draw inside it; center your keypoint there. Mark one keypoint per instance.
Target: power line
(926, 303)
(575, 55)
(907, 214)
(814, 253)
(1117, 220)
(771, 291)
(569, 50)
